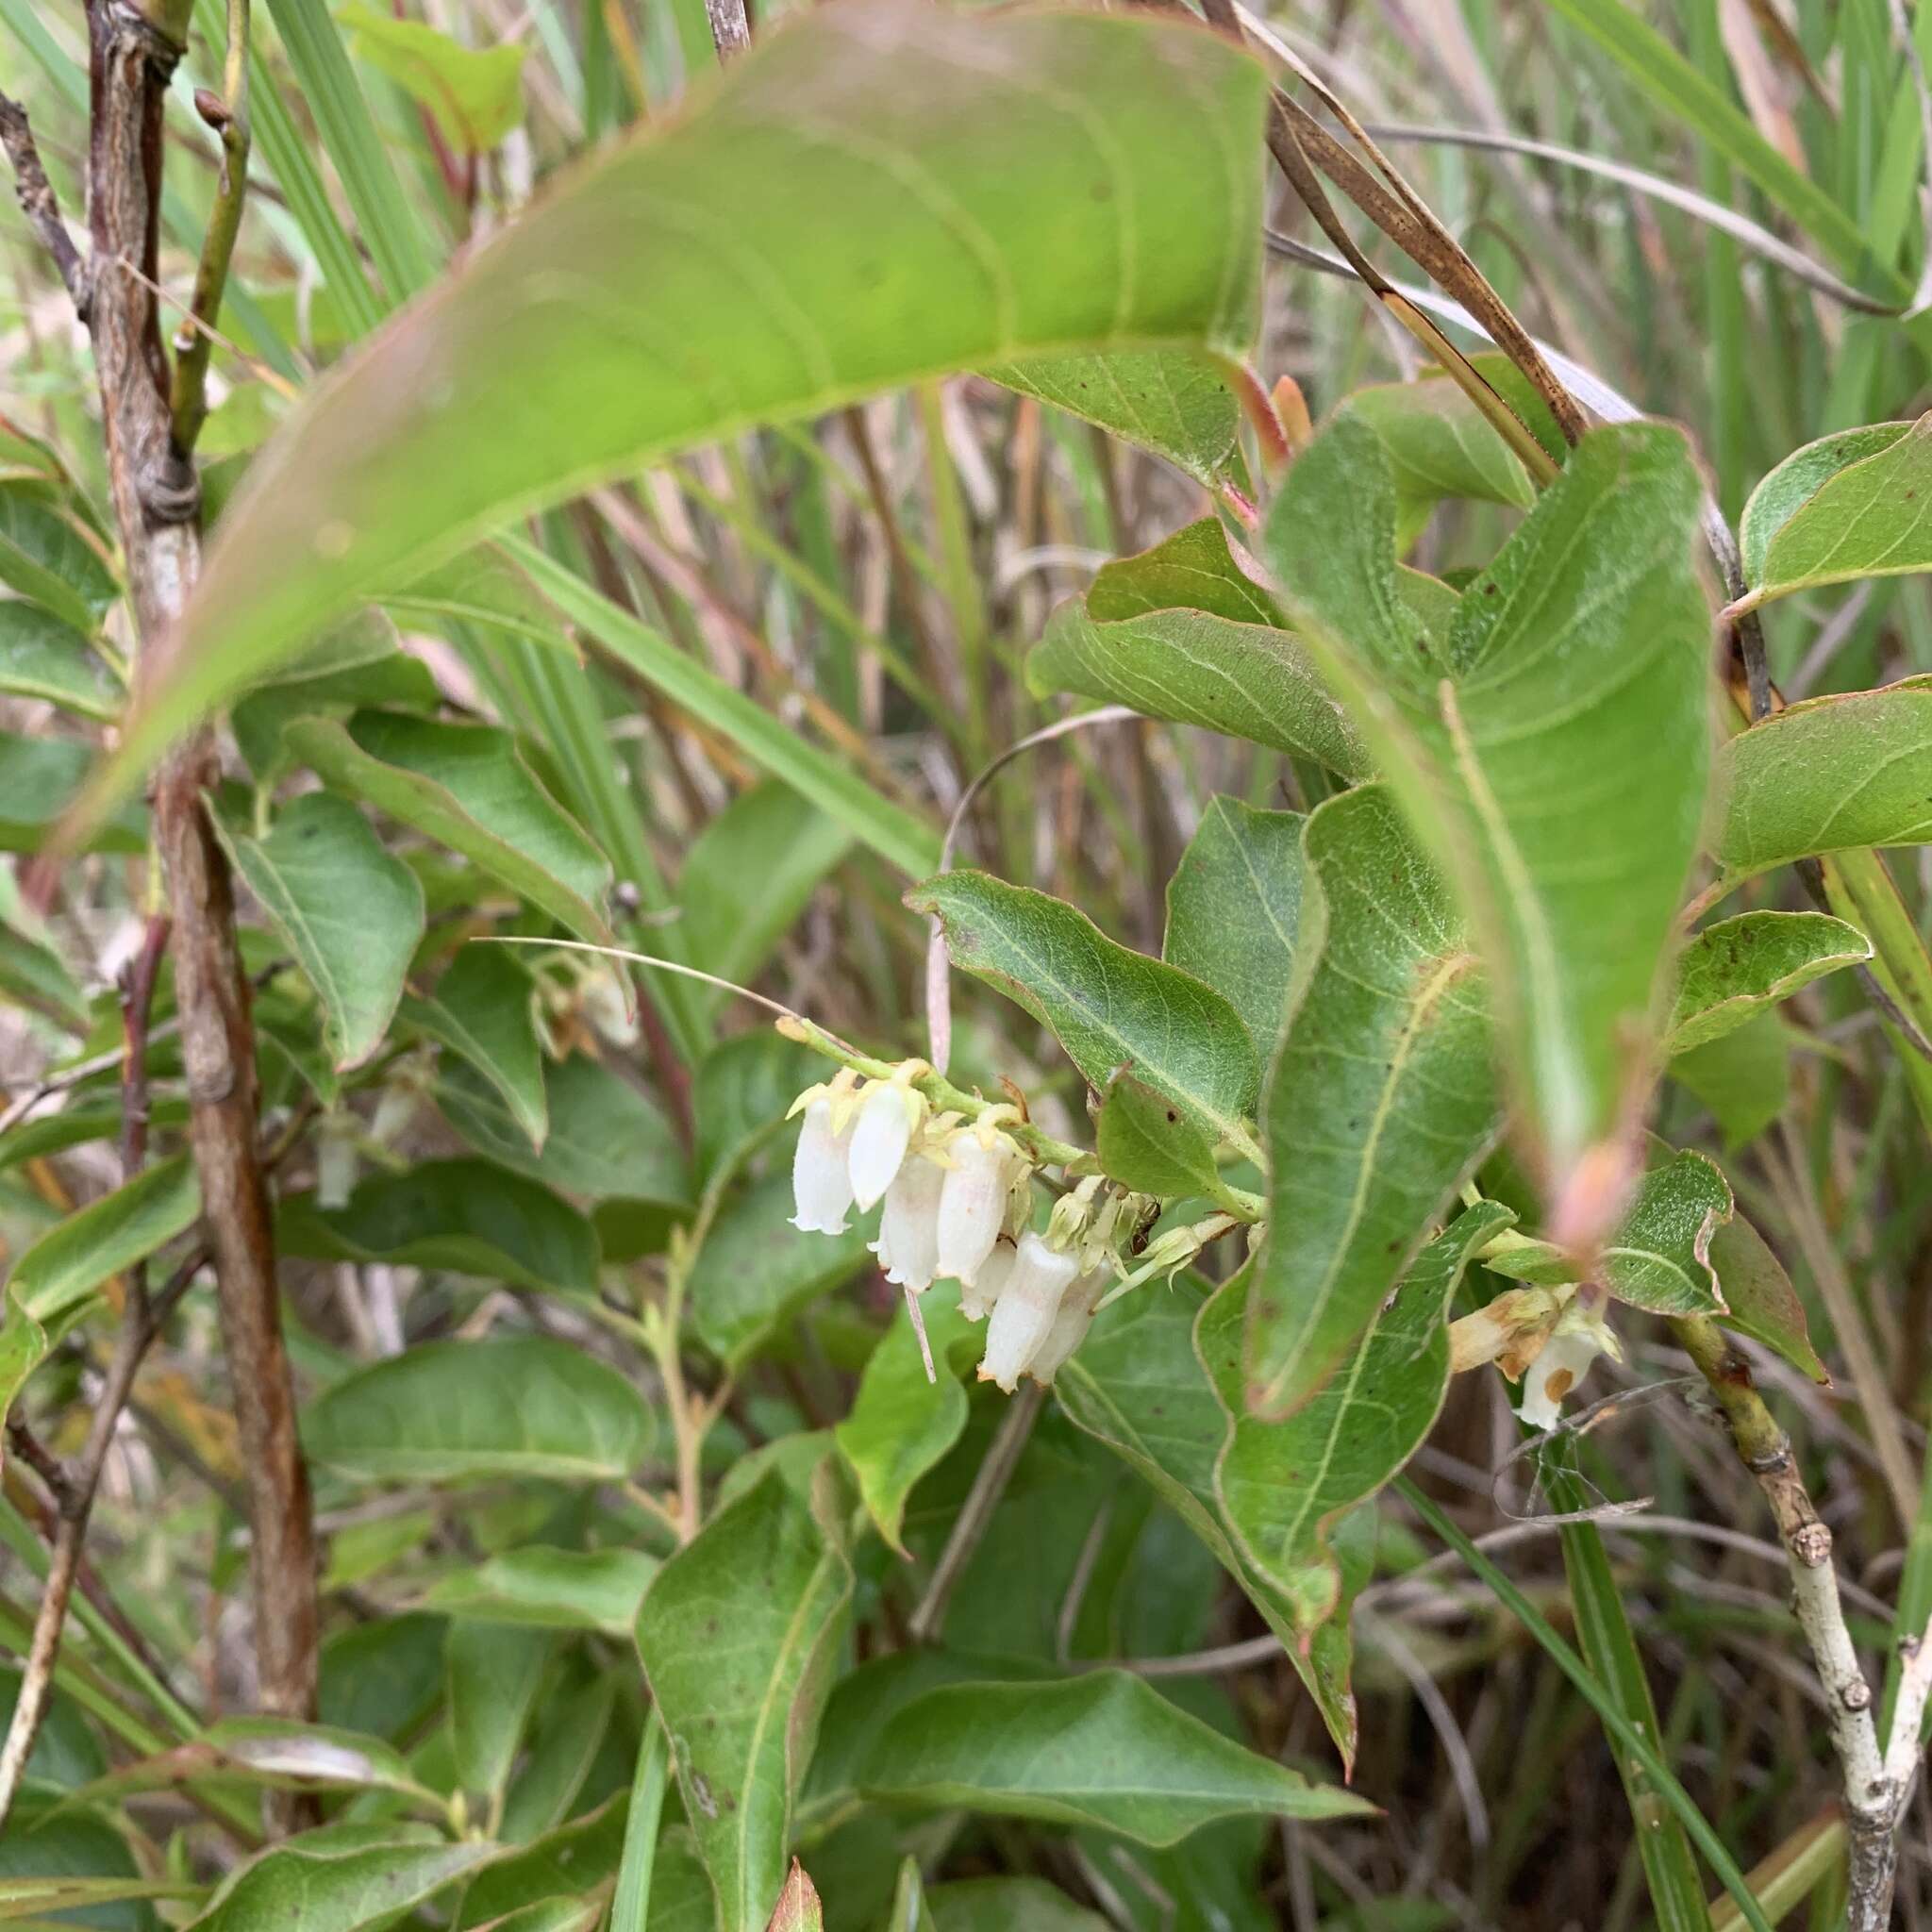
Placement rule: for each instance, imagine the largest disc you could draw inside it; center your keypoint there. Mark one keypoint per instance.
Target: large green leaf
(458, 1411)
(338, 1879)
(684, 286)
(41, 655)
(1735, 969)
(49, 557)
(265, 1751)
(1181, 632)
(1008, 1905)
(1743, 1077)
(1139, 1386)
(1855, 505)
(902, 1427)
(467, 786)
(484, 1009)
(350, 911)
(38, 779)
(1830, 774)
(1283, 1485)
(1105, 1749)
(739, 1672)
(1381, 1100)
(494, 1671)
(1176, 405)
(467, 1216)
(551, 1588)
(1107, 1006)
(1233, 908)
(1552, 741)
(755, 1270)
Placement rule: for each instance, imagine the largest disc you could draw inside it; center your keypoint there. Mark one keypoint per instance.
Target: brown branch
(730, 28)
(37, 201)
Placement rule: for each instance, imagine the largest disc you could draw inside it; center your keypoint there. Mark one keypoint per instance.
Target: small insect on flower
(1028, 1304)
(890, 1113)
(983, 1164)
(821, 1170)
(908, 1242)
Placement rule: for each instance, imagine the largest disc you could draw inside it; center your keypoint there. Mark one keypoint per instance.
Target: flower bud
(1027, 1305)
(887, 1113)
(1071, 1322)
(821, 1173)
(980, 1297)
(908, 1242)
(973, 1203)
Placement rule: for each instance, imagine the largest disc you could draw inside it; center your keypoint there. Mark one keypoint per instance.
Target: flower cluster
(958, 1201)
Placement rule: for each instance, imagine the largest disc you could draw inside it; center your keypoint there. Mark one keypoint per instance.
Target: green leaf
(467, 1216)
(51, 558)
(911, 1912)
(1658, 1256)
(41, 655)
(1233, 908)
(475, 94)
(1008, 1905)
(551, 1588)
(350, 913)
(1440, 445)
(577, 1858)
(75, 1861)
(72, 1259)
(1145, 1143)
(679, 289)
(1176, 405)
(1108, 1007)
(607, 1141)
(755, 1270)
(1139, 1386)
(1759, 1298)
(1284, 1485)
(467, 786)
(1181, 632)
(1743, 1077)
(338, 1879)
(1830, 774)
(1795, 481)
(1103, 1749)
(1553, 743)
(902, 1427)
(463, 1411)
(1735, 969)
(24, 1345)
(1854, 504)
(740, 1092)
(484, 1009)
(265, 1752)
(747, 878)
(494, 1671)
(742, 1709)
(40, 777)
(1381, 1100)
(391, 679)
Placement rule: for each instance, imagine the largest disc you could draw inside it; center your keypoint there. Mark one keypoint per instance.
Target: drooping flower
(1071, 1321)
(982, 1166)
(890, 1112)
(980, 1297)
(822, 1170)
(1580, 1337)
(1025, 1315)
(908, 1242)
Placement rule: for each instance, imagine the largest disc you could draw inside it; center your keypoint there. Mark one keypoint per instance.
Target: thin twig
(1001, 1457)
(730, 29)
(38, 203)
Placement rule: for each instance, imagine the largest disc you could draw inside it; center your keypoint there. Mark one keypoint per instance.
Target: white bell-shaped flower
(821, 1172)
(1027, 1305)
(1563, 1361)
(1071, 1321)
(889, 1113)
(980, 1297)
(973, 1203)
(908, 1242)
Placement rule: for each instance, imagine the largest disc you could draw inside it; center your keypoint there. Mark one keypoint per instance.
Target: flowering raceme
(957, 1198)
